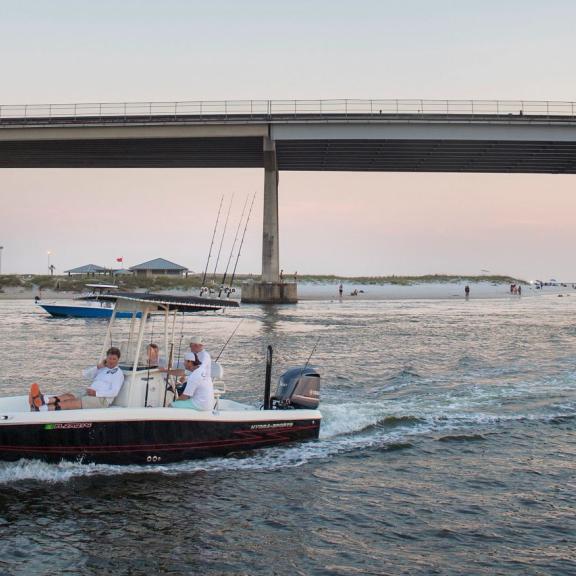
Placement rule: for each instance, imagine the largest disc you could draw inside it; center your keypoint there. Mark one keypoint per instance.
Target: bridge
(306, 135)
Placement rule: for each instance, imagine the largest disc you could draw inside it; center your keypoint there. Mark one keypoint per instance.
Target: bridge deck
(395, 142)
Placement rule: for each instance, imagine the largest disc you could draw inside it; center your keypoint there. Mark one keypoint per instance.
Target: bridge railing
(270, 108)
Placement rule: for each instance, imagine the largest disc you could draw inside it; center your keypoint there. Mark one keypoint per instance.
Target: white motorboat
(96, 303)
(141, 427)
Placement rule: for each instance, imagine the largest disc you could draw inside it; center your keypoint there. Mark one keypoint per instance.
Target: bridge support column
(271, 290)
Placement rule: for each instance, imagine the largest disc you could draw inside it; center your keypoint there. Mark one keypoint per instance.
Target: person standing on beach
(467, 291)
(340, 290)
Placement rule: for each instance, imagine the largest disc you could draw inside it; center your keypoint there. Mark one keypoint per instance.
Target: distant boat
(97, 303)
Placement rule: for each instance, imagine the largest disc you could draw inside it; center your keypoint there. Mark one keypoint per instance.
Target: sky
(330, 223)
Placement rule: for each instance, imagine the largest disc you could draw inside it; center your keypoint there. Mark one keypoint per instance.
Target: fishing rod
(311, 354)
(230, 338)
(212, 241)
(180, 343)
(168, 384)
(148, 349)
(223, 235)
(242, 241)
(235, 240)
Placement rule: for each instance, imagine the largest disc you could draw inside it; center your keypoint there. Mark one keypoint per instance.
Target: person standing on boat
(107, 379)
(199, 391)
(197, 347)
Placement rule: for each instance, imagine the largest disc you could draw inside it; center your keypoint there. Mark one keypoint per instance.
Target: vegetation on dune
(410, 280)
(124, 282)
(161, 283)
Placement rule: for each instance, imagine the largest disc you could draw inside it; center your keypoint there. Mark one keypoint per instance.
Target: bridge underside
(373, 155)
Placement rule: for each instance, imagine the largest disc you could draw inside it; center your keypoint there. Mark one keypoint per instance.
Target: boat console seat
(147, 387)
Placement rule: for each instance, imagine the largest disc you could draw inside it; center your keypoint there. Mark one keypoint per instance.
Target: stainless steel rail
(270, 108)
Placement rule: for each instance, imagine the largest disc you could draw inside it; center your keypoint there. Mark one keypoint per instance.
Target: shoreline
(308, 291)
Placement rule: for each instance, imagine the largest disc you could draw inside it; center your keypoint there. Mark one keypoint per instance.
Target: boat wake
(347, 427)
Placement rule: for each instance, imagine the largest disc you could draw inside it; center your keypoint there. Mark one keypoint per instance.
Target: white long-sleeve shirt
(200, 389)
(204, 357)
(106, 382)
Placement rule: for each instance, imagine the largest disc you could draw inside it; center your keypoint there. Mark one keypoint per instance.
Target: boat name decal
(67, 425)
(275, 425)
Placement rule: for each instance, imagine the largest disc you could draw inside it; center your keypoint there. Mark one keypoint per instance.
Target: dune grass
(160, 283)
(410, 280)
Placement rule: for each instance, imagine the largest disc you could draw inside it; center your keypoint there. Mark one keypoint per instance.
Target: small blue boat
(98, 303)
(80, 311)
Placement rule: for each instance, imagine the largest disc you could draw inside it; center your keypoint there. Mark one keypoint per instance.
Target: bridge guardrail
(270, 108)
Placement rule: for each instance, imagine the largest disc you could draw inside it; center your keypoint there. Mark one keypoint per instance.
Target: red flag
(121, 259)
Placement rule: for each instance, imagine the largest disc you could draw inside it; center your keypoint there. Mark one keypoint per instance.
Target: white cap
(196, 340)
(190, 356)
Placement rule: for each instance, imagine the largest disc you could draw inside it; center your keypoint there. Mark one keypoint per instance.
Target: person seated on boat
(107, 379)
(181, 372)
(197, 348)
(153, 358)
(199, 391)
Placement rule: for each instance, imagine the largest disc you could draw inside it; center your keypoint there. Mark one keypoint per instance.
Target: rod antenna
(242, 241)
(223, 236)
(212, 241)
(235, 240)
(230, 338)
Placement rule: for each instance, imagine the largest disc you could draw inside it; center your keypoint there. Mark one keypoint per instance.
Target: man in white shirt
(199, 392)
(197, 347)
(107, 379)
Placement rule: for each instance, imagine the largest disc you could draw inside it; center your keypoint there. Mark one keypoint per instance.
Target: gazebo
(88, 270)
(159, 266)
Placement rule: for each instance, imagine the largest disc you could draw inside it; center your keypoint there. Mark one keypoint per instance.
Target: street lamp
(48, 253)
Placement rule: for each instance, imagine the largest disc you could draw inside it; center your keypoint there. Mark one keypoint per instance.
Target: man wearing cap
(199, 391)
(197, 347)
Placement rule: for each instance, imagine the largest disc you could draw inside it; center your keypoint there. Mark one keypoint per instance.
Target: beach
(425, 291)
(329, 291)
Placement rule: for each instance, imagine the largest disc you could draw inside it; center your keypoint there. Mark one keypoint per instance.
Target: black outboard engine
(298, 388)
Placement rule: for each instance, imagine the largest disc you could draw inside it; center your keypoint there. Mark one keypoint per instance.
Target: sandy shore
(422, 291)
(317, 291)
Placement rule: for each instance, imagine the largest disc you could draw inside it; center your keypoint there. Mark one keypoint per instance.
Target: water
(447, 447)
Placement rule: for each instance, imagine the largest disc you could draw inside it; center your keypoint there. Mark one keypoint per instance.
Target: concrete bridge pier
(270, 290)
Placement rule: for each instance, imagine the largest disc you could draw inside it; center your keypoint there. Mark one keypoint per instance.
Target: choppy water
(448, 447)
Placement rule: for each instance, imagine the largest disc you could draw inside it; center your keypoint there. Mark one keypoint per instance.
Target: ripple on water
(450, 453)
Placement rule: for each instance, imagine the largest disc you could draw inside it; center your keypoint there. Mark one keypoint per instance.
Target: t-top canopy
(172, 303)
(102, 286)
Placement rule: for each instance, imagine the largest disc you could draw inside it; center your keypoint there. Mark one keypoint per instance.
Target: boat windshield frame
(142, 306)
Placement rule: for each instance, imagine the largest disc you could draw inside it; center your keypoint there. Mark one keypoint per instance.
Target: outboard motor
(298, 388)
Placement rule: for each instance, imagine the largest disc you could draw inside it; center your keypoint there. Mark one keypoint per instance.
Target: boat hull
(171, 438)
(62, 311)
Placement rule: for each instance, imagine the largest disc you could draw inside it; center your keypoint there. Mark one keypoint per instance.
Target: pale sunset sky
(341, 223)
